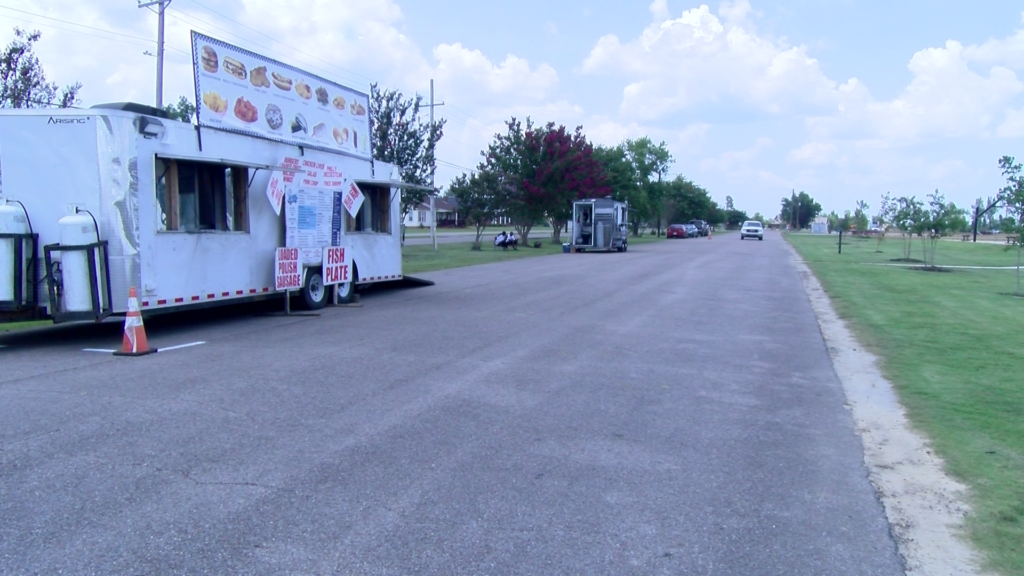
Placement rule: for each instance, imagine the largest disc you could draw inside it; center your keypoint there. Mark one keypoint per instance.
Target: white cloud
(816, 153)
(513, 77)
(699, 57)
(659, 10)
(1013, 125)
(736, 159)
(946, 98)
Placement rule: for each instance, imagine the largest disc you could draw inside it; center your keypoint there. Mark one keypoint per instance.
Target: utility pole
(433, 214)
(161, 5)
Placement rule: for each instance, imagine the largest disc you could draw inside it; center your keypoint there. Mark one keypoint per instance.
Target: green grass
(422, 258)
(12, 326)
(952, 344)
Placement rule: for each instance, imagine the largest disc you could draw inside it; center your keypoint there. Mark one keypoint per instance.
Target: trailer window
(375, 213)
(195, 196)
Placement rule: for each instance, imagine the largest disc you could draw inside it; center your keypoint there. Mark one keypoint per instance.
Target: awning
(394, 184)
(228, 162)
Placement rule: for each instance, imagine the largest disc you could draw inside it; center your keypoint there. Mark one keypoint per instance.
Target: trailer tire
(314, 292)
(346, 292)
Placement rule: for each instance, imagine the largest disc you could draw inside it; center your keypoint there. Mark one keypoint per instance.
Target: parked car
(752, 229)
(702, 227)
(676, 231)
(691, 231)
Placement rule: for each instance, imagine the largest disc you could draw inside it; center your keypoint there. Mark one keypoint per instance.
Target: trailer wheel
(314, 293)
(346, 292)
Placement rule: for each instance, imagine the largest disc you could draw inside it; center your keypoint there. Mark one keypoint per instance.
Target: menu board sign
(241, 91)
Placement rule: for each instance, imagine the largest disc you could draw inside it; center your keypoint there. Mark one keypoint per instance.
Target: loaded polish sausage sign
(335, 265)
(245, 92)
(287, 269)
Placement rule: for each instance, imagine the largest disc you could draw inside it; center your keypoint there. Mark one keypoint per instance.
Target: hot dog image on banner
(245, 92)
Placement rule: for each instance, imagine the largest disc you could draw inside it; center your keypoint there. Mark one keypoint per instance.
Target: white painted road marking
(178, 347)
(181, 346)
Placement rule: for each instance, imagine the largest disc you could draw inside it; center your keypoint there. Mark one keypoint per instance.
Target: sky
(843, 99)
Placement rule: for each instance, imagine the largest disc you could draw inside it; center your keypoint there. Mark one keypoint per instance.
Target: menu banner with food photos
(244, 92)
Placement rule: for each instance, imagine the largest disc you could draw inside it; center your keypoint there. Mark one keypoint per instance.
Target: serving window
(375, 213)
(202, 196)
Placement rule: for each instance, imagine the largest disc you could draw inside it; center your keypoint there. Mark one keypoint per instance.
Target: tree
(184, 110)
(728, 204)
(799, 210)
(884, 218)
(1013, 197)
(624, 183)
(566, 171)
(478, 199)
(936, 221)
(734, 218)
(402, 138)
(513, 157)
(685, 200)
(860, 216)
(757, 216)
(23, 82)
(651, 163)
(907, 216)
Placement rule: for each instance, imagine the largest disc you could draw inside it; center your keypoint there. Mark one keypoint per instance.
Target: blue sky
(843, 99)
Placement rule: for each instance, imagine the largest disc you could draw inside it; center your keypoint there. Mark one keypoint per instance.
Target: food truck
(600, 224)
(273, 190)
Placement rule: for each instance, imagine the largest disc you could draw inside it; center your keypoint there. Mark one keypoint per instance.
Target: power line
(189, 19)
(80, 25)
(453, 165)
(299, 50)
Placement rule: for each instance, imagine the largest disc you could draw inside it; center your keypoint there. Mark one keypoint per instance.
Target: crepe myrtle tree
(1013, 198)
(566, 171)
(402, 137)
(23, 82)
(513, 156)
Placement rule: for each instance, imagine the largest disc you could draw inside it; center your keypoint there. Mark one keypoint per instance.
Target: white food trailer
(97, 201)
(600, 224)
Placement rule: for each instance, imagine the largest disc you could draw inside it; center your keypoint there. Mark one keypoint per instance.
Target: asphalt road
(669, 410)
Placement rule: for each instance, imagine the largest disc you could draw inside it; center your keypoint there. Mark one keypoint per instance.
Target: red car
(676, 231)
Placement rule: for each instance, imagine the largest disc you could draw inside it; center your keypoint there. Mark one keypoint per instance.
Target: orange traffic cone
(709, 234)
(134, 343)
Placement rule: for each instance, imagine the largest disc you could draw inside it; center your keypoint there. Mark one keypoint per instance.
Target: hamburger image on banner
(209, 60)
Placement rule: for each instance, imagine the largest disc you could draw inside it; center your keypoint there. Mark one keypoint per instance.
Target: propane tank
(76, 230)
(12, 221)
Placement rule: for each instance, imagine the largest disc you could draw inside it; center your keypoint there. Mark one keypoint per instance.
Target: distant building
(820, 225)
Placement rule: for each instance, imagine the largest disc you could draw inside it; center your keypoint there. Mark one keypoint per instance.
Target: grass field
(952, 344)
(12, 326)
(417, 259)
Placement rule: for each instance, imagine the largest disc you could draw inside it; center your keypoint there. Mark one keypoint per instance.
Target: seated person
(511, 241)
(499, 240)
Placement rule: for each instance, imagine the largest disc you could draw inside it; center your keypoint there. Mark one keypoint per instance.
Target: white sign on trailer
(353, 199)
(335, 265)
(245, 92)
(287, 269)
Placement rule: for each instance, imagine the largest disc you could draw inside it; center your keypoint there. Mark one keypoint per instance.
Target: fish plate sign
(335, 265)
(245, 92)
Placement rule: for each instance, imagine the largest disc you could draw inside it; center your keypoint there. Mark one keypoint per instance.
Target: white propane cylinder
(12, 221)
(76, 230)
